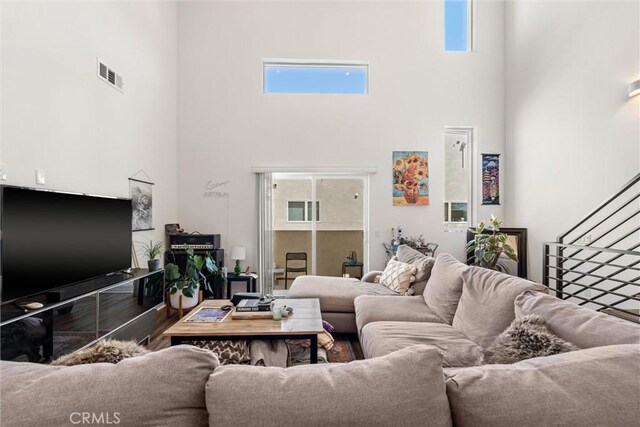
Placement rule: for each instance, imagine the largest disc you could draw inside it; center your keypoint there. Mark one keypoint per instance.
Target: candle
(277, 314)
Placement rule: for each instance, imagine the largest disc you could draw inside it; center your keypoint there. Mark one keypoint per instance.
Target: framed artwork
(410, 178)
(517, 239)
(141, 193)
(491, 179)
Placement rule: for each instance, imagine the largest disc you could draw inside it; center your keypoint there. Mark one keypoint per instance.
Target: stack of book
(252, 309)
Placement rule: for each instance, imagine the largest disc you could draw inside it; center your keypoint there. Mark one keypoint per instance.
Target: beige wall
(59, 117)
(333, 247)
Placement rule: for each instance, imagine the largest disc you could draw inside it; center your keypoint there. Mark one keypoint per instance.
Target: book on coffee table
(253, 305)
(249, 315)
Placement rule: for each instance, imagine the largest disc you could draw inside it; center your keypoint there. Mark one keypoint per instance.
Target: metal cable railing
(602, 273)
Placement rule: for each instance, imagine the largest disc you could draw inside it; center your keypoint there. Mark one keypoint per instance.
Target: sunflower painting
(410, 178)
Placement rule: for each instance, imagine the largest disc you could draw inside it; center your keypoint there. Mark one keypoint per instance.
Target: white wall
(226, 125)
(573, 135)
(59, 117)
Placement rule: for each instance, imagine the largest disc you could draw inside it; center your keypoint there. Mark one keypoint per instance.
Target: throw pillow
(398, 276)
(423, 264)
(105, 351)
(524, 339)
(228, 352)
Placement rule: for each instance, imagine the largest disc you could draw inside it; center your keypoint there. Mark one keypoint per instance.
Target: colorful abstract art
(491, 179)
(410, 178)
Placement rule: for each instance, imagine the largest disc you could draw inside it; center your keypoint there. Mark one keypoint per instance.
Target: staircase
(596, 263)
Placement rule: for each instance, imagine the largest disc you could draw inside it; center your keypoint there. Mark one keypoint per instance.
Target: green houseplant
(489, 244)
(187, 282)
(151, 251)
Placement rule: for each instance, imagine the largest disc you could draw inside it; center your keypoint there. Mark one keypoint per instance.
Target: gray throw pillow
(423, 265)
(526, 338)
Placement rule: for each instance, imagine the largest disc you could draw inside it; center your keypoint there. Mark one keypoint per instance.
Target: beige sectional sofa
(185, 386)
(461, 311)
(422, 368)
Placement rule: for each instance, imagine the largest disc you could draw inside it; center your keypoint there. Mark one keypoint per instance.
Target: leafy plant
(152, 250)
(488, 247)
(187, 281)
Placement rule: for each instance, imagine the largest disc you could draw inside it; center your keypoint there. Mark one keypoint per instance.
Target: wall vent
(109, 76)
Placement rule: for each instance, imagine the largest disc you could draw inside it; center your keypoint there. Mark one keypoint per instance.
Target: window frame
(306, 215)
(318, 63)
(471, 28)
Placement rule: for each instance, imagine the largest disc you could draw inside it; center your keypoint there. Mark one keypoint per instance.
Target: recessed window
(301, 211)
(316, 77)
(457, 25)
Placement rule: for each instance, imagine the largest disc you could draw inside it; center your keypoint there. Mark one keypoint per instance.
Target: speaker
(179, 258)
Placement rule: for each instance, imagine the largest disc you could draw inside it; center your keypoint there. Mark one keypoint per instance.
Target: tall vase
(411, 195)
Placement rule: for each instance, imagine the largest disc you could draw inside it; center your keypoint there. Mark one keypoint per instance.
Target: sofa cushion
(423, 264)
(444, 288)
(157, 389)
(382, 308)
(526, 338)
(377, 392)
(336, 294)
(399, 276)
(593, 387)
(582, 326)
(486, 305)
(381, 338)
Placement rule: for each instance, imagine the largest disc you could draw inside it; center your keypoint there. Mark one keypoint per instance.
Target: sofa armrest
(370, 276)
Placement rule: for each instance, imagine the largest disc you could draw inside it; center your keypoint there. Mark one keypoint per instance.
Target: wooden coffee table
(304, 323)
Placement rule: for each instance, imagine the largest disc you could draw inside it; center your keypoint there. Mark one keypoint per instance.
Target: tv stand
(119, 307)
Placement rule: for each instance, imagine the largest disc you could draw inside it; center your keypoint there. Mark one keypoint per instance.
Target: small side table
(249, 280)
(358, 265)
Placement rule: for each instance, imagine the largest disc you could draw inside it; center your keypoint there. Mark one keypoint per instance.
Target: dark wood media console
(77, 316)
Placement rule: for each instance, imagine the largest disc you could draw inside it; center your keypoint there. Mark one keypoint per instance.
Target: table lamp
(238, 253)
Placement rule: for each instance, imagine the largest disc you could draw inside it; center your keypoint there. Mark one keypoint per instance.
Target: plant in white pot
(152, 251)
(187, 283)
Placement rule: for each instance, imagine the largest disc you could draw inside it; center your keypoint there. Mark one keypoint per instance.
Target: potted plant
(488, 247)
(186, 283)
(151, 251)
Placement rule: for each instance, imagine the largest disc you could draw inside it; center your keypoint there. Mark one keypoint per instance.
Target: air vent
(109, 76)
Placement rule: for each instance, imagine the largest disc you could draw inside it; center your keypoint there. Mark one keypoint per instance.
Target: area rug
(343, 350)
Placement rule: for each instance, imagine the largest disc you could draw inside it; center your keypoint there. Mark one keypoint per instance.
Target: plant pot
(187, 302)
(154, 264)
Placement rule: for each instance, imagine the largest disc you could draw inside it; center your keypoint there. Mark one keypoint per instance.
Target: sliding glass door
(319, 221)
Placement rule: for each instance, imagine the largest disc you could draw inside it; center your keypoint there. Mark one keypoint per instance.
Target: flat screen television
(55, 239)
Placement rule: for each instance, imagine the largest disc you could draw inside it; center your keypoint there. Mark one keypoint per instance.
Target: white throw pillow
(398, 276)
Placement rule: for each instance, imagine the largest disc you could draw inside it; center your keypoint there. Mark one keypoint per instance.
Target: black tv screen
(52, 239)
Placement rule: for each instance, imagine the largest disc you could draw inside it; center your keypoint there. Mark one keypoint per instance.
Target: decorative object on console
(151, 251)
(105, 351)
(410, 178)
(183, 286)
(487, 248)
(525, 338)
(238, 253)
(491, 179)
(141, 193)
